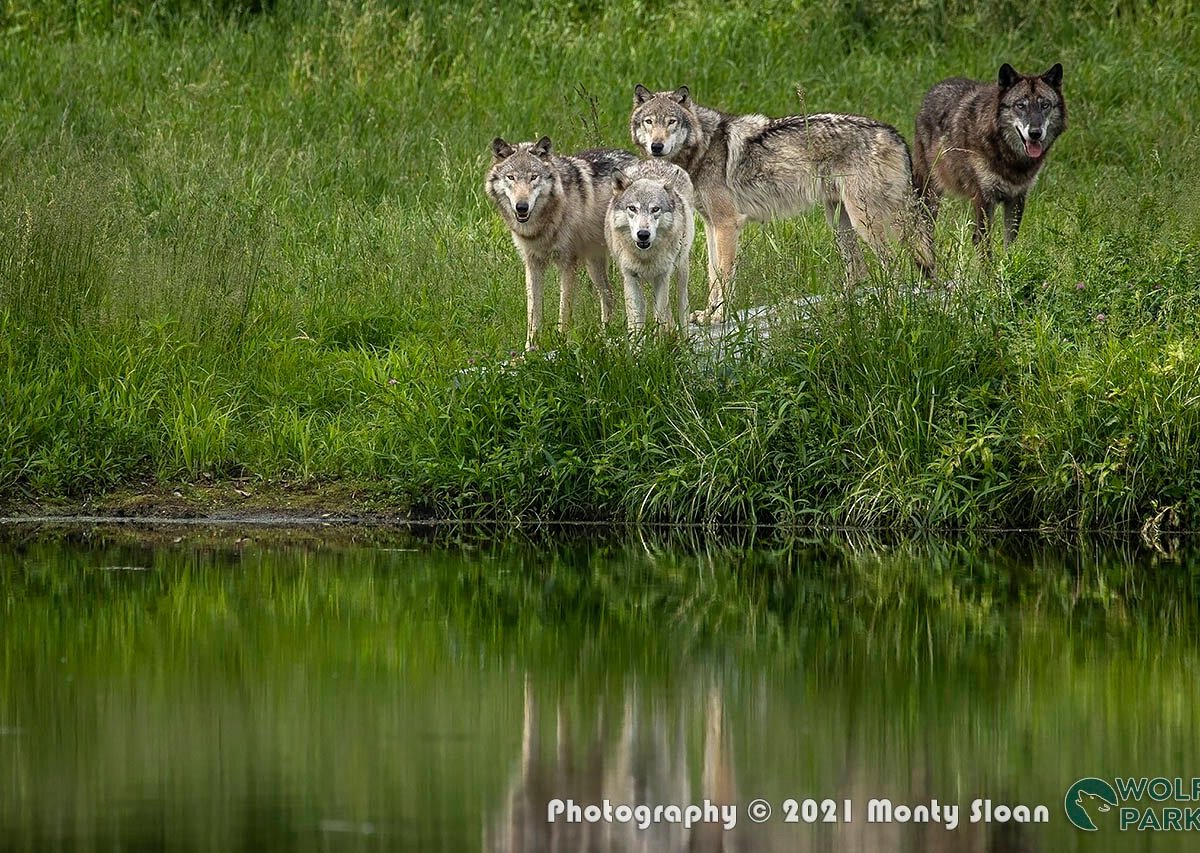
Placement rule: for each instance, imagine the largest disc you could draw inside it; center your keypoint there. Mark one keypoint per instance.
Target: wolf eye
(1044, 103)
(656, 210)
(1020, 106)
(671, 122)
(533, 177)
(510, 177)
(648, 122)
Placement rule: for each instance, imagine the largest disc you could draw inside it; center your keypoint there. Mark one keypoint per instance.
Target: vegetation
(248, 240)
(674, 597)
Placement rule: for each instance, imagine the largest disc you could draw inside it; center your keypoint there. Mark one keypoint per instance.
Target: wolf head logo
(1087, 794)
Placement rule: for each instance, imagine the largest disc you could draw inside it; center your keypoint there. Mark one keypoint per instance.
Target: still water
(438, 690)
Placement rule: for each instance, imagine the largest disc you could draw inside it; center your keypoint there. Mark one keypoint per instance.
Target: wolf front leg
(714, 279)
(681, 287)
(635, 302)
(721, 233)
(919, 237)
(535, 277)
(984, 207)
(1014, 209)
(568, 278)
(662, 298)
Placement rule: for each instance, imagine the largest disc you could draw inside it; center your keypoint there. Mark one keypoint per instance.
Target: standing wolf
(754, 168)
(987, 142)
(650, 227)
(555, 207)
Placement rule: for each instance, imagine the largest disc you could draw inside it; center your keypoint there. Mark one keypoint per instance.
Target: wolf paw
(710, 316)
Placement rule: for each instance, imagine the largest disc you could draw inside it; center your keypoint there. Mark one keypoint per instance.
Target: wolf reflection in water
(645, 761)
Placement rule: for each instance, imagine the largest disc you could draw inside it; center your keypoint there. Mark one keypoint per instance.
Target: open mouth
(1033, 149)
(641, 245)
(522, 217)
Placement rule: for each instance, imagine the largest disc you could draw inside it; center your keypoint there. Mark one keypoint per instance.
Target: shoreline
(337, 504)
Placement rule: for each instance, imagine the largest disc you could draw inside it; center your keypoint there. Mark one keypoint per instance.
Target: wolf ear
(620, 181)
(541, 148)
(1054, 75)
(1008, 76)
(641, 94)
(680, 96)
(501, 150)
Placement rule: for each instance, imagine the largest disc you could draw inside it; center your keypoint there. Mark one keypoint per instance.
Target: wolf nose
(656, 148)
(643, 235)
(522, 207)
(1035, 133)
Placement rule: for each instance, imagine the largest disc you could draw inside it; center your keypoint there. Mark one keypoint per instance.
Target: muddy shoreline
(248, 501)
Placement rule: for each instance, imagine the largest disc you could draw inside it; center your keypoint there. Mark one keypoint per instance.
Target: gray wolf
(751, 168)
(987, 142)
(554, 206)
(650, 227)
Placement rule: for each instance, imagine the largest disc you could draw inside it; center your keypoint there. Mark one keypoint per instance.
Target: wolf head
(1032, 112)
(645, 206)
(522, 177)
(662, 122)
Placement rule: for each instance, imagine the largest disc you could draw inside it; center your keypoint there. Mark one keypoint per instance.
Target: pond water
(439, 690)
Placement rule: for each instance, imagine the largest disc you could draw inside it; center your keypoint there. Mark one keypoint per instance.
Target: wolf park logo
(1138, 802)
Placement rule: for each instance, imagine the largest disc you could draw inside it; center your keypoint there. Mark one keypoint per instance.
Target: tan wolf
(554, 206)
(650, 227)
(753, 168)
(987, 142)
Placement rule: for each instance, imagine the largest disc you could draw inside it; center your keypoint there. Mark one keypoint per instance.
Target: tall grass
(248, 239)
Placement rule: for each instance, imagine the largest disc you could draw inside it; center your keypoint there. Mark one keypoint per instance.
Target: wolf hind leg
(597, 268)
(846, 239)
(906, 234)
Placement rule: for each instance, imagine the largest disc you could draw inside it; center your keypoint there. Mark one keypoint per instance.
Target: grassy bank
(252, 242)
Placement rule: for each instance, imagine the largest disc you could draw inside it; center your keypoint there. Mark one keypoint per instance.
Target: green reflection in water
(432, 691)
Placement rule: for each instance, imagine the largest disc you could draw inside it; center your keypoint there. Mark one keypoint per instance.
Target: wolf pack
(982, 141)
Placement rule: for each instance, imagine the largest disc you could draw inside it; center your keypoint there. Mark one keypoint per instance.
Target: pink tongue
(1033, 149)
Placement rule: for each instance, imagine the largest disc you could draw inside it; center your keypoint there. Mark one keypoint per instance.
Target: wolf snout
(1036, 133)
(522, 210)
(656, 148)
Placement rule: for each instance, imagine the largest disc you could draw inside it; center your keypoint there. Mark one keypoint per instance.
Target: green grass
(252, 241)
